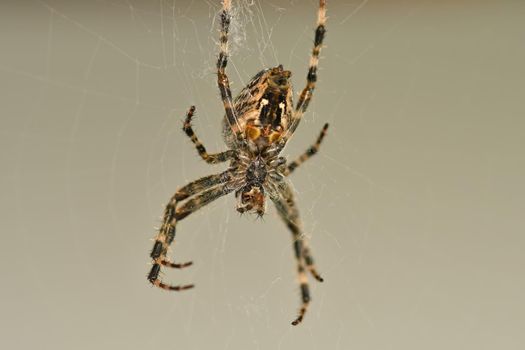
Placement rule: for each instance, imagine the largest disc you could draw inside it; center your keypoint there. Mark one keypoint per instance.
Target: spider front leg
(205, 190)
(287, 210)
(208, 158)
(309, 152)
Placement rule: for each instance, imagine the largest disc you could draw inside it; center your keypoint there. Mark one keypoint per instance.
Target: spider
(256, 127)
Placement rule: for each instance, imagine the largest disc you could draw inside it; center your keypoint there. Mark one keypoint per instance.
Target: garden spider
(256, 128)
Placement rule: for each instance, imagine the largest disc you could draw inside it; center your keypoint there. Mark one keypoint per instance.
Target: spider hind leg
(222, 78)
(311, 77)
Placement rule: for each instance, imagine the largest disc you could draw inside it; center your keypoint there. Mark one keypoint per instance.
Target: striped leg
(208, 158)
(205, 190)
(311, 77)
(222, 79)
(309, 260)
(288, 211)
(309, 152)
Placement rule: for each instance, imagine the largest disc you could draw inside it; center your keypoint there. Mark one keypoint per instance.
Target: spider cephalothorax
(251, 197)
(262, 175)
(257, 125)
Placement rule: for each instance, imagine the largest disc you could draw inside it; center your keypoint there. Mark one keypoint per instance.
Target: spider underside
(256, 127)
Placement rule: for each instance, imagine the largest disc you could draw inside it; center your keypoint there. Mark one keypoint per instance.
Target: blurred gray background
(414, 205)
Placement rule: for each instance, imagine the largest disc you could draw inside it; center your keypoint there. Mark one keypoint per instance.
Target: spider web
(400, 204)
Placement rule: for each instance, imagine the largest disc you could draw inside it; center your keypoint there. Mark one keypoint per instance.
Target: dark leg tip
(317, 276)
(297, 321)
(177, 266)
(189, 114)
(180, 288)
(186, 264)
(189, 286)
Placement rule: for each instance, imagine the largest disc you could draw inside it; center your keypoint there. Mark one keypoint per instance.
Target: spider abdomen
(263, 109)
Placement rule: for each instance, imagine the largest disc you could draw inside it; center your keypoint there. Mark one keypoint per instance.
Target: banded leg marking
(205, 190)
(222, 78)
(208, 158)
(311, 76)
(309, 152)
(287, 210)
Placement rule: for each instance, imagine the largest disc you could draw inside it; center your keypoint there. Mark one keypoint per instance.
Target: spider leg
(208, 158)
(309, 152)
(287, 210)
(201, 184)
(205, 190)
(309, 260)
(311, 77)
(222, 78)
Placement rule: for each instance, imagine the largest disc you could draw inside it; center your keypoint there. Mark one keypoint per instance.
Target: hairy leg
(204, 191)
(208, 158)
(222, 61)
(311, 77)
(287, 210)
(309, 152)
